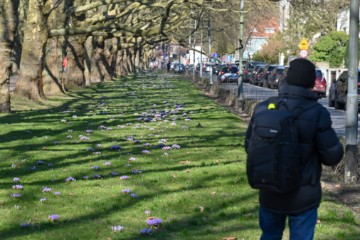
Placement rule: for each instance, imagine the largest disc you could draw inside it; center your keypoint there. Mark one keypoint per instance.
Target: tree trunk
(30, 83)
(88, 48)
(74, 76)
(8, 21)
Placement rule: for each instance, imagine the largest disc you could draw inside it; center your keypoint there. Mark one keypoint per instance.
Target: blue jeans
(302, 226)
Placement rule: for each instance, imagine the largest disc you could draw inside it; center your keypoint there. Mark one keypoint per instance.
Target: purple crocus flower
(88, 131)
(154, 222)
(46, 189)
(132, 159)
(95, 168)
(70, 179)
(107, 163)
(18, 187)
(161, 145)
(145, 231)
(54, 217)
(57, 193)
(16, 179)
(134, 195)
(84, 138)
(40, 162)
(114, 174)
(166, 148)
(115, 147)
(124, 177)
(145, 151)
(135, 171)
(43, 199)
(126, 191)
(117, 228)
(16, 195)
(147, 212)
(176, 146)
(98, 176)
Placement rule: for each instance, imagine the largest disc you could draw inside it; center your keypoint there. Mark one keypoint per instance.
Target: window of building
(269, 30)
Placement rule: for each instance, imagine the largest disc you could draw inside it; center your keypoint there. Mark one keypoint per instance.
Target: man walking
(318, 144)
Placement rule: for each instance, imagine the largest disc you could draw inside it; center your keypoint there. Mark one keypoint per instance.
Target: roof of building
(266, 28)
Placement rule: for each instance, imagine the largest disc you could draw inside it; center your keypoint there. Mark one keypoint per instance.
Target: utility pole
(209, 38)
(241, 49)
(352, 97)
(194, 50)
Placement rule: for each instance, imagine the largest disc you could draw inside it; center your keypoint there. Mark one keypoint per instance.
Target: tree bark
(88, 47)
(30, 82)
(8, 25)
(74, 76)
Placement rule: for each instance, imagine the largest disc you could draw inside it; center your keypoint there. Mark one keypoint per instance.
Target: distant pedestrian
(65, 64)
(317, 144)
(168, 66)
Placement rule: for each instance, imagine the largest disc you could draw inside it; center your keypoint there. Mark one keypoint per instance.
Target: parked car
(282, 77)
(320, 84)
(338, 91)
(263, 80)
(274, 76)
(216, 68)
(249, 67)
(207, 67)
(178, 68)
(189, 67)
(231, 76)
(223, 70)
(258, 72)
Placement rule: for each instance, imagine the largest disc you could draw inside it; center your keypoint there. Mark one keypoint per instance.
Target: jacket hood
(287, 90)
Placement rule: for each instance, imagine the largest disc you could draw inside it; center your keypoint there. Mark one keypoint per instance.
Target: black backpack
(274, 161)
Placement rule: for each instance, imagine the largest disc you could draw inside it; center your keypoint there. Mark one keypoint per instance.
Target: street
(259, 93)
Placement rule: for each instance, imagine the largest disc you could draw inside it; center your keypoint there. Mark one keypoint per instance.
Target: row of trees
(103, 39)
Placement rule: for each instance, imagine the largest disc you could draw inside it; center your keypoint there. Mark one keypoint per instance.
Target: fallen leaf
(174, 175)
(187, 170)
(229, 238)
(337, 185)
(318, 221)
(201, 208)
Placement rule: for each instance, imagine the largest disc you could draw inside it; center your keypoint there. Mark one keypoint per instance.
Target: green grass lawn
(138, 148)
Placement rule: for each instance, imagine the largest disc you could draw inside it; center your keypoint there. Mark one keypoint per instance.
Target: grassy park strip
(147, 157)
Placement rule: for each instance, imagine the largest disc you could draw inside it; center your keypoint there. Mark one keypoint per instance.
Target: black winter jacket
(319, 145)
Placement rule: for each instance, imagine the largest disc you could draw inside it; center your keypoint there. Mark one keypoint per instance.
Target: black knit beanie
(301, 73)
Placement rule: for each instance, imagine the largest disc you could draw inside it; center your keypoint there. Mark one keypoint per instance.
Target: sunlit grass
(198, 190)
